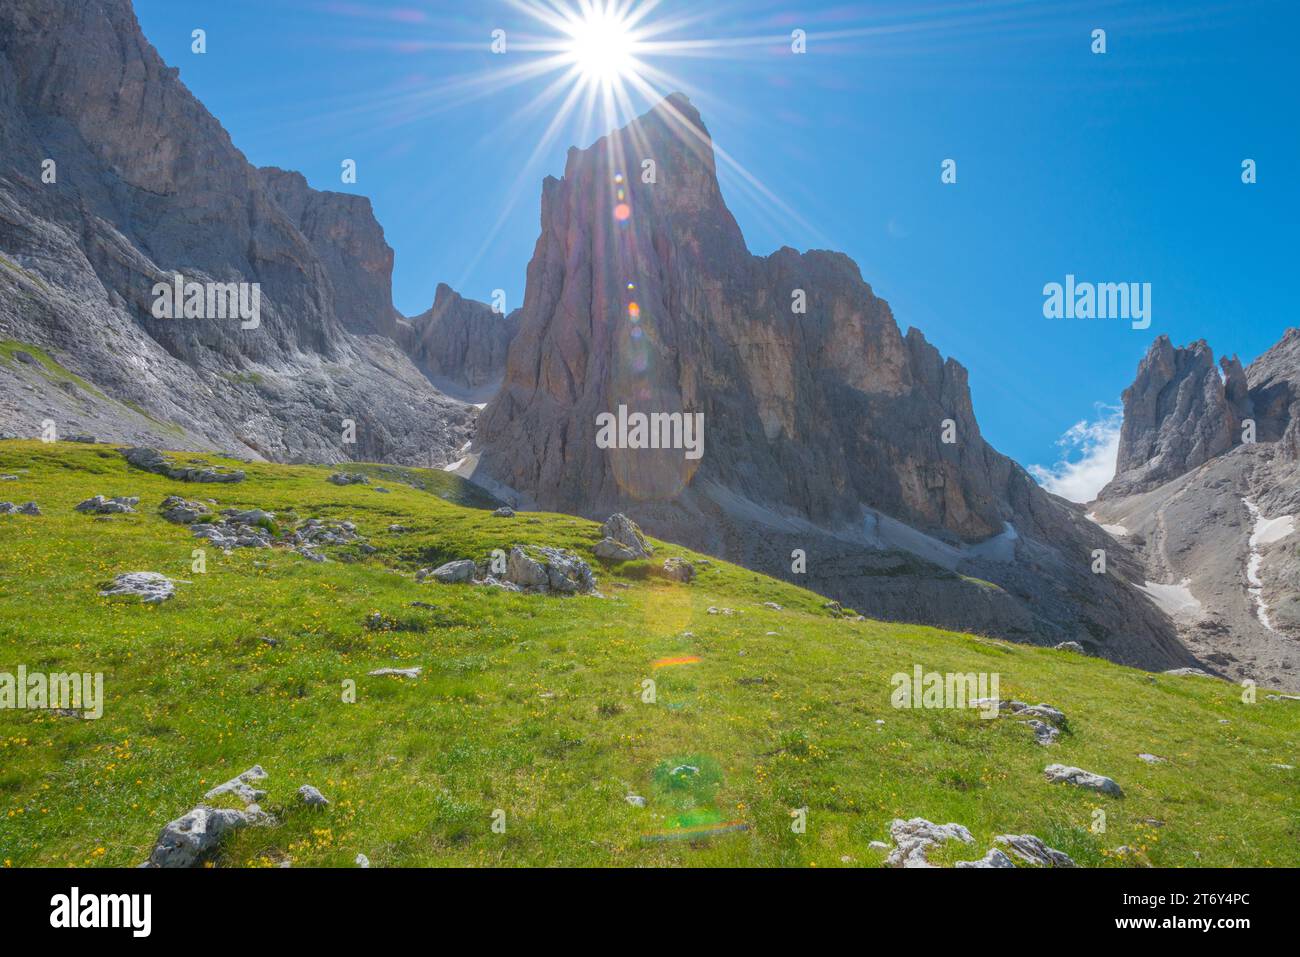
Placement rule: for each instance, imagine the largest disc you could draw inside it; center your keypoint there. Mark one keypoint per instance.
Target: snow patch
(1266, 532)
(1174, 600)
(1118, 531)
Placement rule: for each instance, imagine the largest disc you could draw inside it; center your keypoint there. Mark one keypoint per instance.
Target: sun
(601, 44)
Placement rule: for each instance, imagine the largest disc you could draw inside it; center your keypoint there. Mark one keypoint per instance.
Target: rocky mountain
(114, 181)
(825, 428)
(459, 344)
(1211, 510)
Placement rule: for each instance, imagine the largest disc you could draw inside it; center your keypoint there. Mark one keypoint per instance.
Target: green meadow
(531, 711)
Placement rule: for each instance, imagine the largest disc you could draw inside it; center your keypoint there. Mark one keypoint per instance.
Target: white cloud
(1090, 450)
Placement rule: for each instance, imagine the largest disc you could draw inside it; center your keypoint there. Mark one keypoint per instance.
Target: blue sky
(1124, 166)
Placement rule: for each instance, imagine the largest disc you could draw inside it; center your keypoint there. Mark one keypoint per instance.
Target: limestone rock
(151, 460)
(188, 840)
(1063, 774)
(914, 838)
(1031, 849)
(1177, 416)
(311, 797)
(178, 510)
(994, 858)
(150, 587)
(461, 570)
(811, 427)
(622, 530)
(459, 343)
(241, 786)
(99, 505)
(679, 570)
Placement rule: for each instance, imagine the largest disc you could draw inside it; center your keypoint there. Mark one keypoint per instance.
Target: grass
(534, 705)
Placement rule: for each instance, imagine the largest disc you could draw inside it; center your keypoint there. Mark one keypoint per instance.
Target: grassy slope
(532, 704)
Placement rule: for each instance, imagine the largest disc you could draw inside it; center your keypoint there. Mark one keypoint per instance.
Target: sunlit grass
(533, 704)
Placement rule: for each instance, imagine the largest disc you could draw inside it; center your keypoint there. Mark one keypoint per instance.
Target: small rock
(773, 605)
(397, 672)
(635, 800)
(348, 478)
(1151, 758)
(1063, 774)
(241, 786)
(1032, 849)
(505, 511)
(994, 858)
(1044, 733)
(1070, 646)
(1195, 672)
(107, 506)
(311, 797)
(362, 861)
(176, 509)
(151, 587)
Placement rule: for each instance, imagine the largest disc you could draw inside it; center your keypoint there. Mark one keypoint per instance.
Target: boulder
(553, 569)
(679, 570)
(623, 531)
(505, 511)
(524, 571)
(615, 551)
(345, 478)
(914, 838)
(1070, 646)
(186, 841)
(1063, 774)
(28, 508)
(459, 571)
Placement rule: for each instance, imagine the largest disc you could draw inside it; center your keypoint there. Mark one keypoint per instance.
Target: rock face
(824, 427)
(1178, 413)
(1216, 536)
(459, 343)
(350, 244)
(147, 185)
